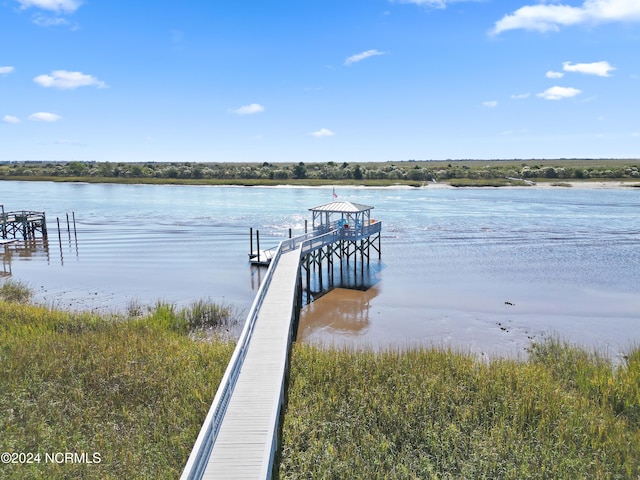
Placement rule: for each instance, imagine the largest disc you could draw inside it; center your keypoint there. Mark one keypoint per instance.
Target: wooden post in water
(60, 240)
(25, 230)
(308, 278)
(320, 268)
(355, 261)
(4, 223)
(258, 244)
(250, 242)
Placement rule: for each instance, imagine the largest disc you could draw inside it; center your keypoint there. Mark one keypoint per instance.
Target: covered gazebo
(352, 218)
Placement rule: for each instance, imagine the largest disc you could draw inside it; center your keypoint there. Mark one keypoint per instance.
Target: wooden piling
(258, 244)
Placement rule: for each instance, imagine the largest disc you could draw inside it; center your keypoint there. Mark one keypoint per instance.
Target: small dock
(262, 258)
(239, 438)
(22, 223)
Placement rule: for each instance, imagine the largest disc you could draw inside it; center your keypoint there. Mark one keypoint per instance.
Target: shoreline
(577, 184)
(590, 184)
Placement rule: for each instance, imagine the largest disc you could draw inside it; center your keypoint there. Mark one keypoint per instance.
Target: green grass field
(562, 414)
(133, 391)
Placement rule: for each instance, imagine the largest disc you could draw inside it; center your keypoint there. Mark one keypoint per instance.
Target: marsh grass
(207, 315)
(134, 391)
(15, 291)
(563, 413)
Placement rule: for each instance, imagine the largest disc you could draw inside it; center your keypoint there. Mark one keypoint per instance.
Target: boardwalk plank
(249, 424)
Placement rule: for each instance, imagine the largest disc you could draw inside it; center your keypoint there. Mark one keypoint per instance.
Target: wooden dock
(239, 437)
(247, 438)
(240, 434)
(24, 223)
(262, 257)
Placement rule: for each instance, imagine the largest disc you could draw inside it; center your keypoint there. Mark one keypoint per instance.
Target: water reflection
(355, 274)
(342, 311)
(6, 265)
(37, 248)
(30, 249)
(340, 305)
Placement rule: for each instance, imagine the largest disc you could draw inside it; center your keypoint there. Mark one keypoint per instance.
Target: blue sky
(318, 80)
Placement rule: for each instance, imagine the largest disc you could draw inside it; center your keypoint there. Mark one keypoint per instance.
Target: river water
(477, 269)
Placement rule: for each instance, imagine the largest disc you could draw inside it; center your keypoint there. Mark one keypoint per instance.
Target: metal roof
(342, 207)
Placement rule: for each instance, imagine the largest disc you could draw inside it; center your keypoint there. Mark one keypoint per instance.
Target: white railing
(198, 459)
(197, 462)
(315, 243)
(293, 243)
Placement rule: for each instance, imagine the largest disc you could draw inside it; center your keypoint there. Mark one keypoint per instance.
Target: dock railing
(197, 462)
(199, 457)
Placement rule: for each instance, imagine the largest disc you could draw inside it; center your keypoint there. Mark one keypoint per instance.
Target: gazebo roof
(341, 207)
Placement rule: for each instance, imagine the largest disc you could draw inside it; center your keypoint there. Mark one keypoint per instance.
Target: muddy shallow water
(485, 270)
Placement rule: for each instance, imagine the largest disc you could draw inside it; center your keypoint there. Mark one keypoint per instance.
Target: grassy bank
(134, 391)
(564, 413)
(414, 173)
(241, 182)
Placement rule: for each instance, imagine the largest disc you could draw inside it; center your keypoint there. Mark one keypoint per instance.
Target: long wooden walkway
(249, 433)
(240, 435)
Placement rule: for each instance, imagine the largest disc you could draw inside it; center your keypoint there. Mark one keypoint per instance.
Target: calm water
(481, 269)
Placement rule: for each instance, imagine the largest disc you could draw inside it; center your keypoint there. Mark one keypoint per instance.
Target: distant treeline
(410, 171)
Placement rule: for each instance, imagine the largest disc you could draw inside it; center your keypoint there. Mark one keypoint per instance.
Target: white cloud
(6, 70)
(520, 96)
(248, 109)
(558, 93)
(551, 74)
(428, 3)
(67, 6)
(43, 21)
(600, 69)
(10, 119)
(361, 56)
(323, 132)
(44, 117)
(68, 80)
(432, 3)
(544, 17)
(490, 104)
